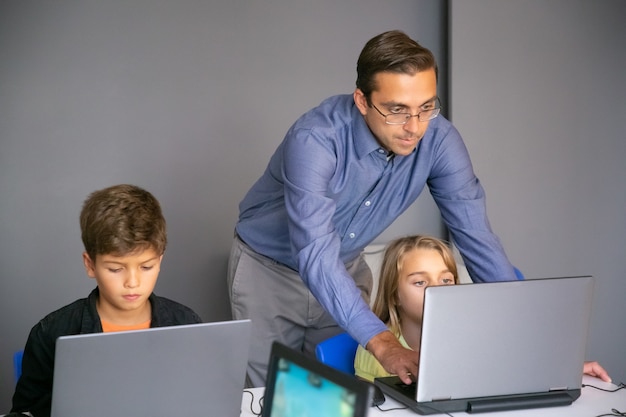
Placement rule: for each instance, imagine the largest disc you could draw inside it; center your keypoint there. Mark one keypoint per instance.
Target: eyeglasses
(430, 112)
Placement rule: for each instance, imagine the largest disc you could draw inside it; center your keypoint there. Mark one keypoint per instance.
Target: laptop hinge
(442, 399)
(516, 403)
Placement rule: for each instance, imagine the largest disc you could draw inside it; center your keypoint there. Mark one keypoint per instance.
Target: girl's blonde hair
(385, 305)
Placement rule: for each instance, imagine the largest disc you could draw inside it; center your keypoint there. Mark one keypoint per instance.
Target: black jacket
(34, 389)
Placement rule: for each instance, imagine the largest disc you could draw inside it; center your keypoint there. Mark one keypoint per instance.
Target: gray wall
(189, 99)
(185, 98)
(538, 92)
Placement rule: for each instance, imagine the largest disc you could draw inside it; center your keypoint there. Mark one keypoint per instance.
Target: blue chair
(338, 352)
(17, 364)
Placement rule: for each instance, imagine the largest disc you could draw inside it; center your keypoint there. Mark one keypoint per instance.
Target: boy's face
(125, 283)
(421, 268)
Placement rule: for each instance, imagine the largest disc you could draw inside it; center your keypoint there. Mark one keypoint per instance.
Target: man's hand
(594, 369)
(395, 358)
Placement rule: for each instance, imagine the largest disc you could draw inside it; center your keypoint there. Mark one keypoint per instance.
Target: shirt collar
(364, 141)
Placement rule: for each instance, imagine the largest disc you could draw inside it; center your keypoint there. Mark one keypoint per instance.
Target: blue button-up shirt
(330, 189)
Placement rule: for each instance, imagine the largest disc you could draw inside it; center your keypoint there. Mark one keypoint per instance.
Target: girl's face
(420, 268)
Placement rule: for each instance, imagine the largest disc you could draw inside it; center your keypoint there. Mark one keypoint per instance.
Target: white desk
(591, 403)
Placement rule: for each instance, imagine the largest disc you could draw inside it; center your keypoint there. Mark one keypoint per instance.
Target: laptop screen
(301, 386)
(154, 372)
(513, 327)
(500, 346)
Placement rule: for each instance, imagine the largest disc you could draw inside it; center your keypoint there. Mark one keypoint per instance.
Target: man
(344, 172)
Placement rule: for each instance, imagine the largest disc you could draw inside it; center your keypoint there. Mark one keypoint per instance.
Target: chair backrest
(338, 352)
(17, 364)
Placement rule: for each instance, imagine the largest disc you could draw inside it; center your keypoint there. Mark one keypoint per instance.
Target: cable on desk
(613, 412)
(384, 410)
(620, 386)
(252, 403)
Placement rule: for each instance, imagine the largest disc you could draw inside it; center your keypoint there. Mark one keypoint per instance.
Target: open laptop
(196, 369)
(298, 385)
(499, 346)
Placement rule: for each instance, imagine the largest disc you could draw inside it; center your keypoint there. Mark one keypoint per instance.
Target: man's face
(398, 93)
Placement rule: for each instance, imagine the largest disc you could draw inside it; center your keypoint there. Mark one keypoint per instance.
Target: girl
(410, 265)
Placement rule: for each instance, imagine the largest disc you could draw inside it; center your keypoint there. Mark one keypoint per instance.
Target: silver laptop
(298, 385)
(196, 369)
(499, 346)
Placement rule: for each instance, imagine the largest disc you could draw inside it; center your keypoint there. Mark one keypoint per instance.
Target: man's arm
(308, 168)
(461, 200)
(395, 358)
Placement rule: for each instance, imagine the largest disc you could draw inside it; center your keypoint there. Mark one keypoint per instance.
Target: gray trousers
(280, 306)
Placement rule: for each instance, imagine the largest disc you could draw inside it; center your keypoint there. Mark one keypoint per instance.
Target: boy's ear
(90, 266)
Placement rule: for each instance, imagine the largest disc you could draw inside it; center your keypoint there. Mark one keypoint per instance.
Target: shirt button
(352, 235)
(382, 151)
(368, 203)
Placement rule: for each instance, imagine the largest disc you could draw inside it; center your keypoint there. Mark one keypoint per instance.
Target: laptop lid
(299, 385)
(501, 345)
(197, 369)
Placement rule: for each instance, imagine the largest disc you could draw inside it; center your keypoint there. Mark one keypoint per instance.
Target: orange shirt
(110, 327)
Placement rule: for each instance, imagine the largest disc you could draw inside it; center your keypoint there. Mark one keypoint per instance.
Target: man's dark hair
(391, 51)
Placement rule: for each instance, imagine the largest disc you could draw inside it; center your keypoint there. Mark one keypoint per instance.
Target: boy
(123, 231)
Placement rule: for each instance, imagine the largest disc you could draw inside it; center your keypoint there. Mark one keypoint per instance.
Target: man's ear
(361, 101)
(90, 266)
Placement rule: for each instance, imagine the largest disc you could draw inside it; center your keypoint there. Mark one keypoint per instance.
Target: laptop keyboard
(408, 390)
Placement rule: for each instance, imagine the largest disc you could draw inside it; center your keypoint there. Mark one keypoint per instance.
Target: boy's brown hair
(121, 220)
